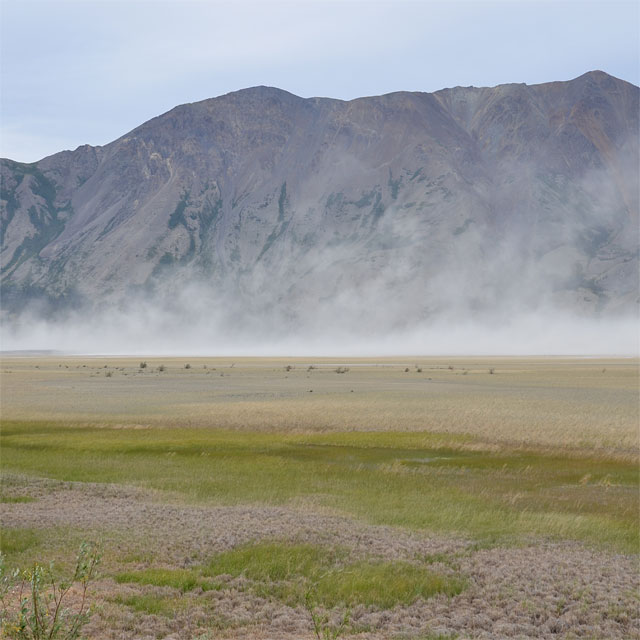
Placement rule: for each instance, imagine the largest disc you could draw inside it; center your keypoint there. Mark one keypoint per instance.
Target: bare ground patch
(540, 590)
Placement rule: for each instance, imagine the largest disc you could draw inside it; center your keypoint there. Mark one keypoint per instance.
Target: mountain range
(287, 210)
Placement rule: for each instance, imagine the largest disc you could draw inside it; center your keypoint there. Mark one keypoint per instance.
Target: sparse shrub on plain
(342, 369)
(492, 370)
(161, 368)
(288, 367)
(187, 366)
(42, 612)
(108, 374)
(143, 365)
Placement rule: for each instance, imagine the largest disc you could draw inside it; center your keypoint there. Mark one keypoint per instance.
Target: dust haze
(145, 333)
(422, 284)
(505, 306)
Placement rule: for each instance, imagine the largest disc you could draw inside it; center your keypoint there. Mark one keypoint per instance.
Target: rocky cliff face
(464, 200)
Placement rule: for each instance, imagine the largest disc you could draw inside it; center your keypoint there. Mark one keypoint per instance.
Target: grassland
(382, 486)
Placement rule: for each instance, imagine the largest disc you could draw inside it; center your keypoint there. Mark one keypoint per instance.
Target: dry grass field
(424, 497)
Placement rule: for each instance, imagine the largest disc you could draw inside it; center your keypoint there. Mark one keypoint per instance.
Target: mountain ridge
(588, 74)
(282, 201)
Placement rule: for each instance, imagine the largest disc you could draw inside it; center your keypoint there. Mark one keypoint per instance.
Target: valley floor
(425, 498)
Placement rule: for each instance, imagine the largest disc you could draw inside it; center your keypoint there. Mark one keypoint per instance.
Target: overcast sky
(87, 71)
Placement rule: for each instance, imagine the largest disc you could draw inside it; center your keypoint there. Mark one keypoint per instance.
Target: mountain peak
(260, 92)
(468, 198)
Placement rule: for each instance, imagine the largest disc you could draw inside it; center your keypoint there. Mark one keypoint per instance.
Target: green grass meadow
(291, 572)
(438, 482)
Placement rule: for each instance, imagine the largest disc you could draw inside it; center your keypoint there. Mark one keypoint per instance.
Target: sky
(79, 72)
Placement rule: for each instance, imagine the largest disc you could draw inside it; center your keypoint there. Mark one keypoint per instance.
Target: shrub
(41, 613)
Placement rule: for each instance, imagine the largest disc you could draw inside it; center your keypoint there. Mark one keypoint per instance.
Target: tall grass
(544, 401)
(440, 482)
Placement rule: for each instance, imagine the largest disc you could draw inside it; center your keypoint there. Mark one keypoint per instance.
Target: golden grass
(573, 403)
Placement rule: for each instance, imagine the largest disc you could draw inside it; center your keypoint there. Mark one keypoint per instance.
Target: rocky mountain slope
(467, 200)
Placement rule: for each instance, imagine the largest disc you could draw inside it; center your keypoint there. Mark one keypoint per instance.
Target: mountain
(415, 205)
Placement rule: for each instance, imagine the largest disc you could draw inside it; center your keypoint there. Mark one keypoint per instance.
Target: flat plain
(425, 497)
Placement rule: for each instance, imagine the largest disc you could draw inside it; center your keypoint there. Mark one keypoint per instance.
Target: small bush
(342, 369)
(42, 614)
(161, 368)
(143, 365)
(187, 366)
